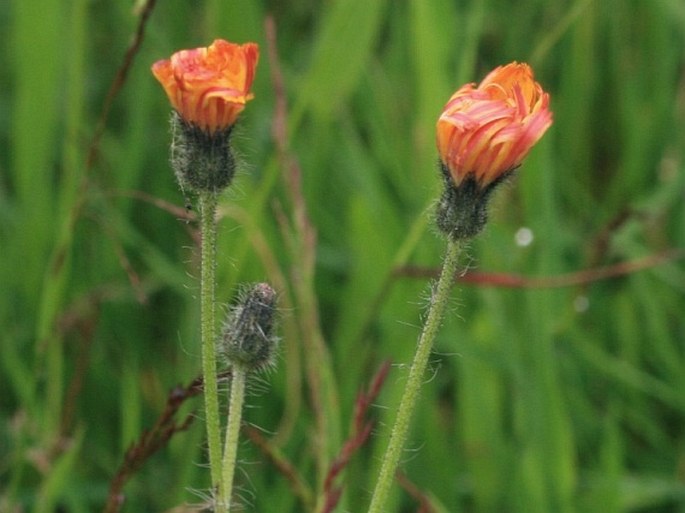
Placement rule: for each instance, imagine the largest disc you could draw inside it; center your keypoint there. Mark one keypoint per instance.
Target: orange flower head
(209, 87)
(485, 132)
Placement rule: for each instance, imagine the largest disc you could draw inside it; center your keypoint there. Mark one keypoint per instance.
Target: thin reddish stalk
(583, 277)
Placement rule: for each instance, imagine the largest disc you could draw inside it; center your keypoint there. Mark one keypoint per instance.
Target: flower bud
(208, 89)
(483, 135)
(248, 336)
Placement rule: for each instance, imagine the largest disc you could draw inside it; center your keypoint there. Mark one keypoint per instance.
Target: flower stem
(208, 202)
(418, 368)
(238, 376)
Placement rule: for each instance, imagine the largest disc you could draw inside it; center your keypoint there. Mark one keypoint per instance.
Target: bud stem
(208, 202)
(238, 377)
(411, 391)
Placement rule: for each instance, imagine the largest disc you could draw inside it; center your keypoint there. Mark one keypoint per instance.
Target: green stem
(208, 202)
(418, 368)
(238, 377)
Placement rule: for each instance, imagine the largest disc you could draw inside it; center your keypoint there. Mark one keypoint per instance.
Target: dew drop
(524, 237)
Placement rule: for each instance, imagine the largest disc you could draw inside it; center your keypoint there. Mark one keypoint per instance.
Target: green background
(544, 397)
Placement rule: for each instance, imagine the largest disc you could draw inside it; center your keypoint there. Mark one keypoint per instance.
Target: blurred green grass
(543, 400)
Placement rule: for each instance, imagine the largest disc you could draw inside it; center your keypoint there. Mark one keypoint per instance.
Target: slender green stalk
(238, 377)
(418, 368)
(208, 201)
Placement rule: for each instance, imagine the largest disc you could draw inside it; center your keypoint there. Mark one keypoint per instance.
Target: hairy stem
(208, 202)
(418, 368)
(233, 432)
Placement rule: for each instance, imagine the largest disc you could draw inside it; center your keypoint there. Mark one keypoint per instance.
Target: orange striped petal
(487, 130)
(209, 87)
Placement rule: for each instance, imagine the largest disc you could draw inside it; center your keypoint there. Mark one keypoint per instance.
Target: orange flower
(209, 87)
(486, 131)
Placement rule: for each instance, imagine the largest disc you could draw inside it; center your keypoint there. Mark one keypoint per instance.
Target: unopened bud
(208, 89)
(248, 334)
(483, 134)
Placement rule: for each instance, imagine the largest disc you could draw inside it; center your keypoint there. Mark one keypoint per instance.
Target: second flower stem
(416, 375)
(235, 409)
(208, 202)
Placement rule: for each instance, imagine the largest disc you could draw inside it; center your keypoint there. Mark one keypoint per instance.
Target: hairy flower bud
(248, 334)
(208, 89)
(483, 135)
